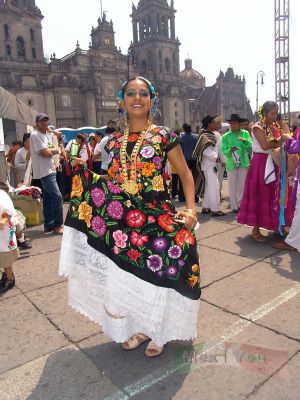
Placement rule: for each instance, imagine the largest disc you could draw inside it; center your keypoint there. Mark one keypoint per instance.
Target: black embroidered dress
(135, 239)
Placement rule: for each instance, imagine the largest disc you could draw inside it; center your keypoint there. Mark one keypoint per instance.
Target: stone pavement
(248, 344)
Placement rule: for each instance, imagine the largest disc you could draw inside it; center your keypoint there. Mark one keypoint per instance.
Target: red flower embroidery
(184, 236)
(120, 178)
(166, 207)
(133, 137)
(86, 175)
(135, 218)
(137, 239)
(165, 221)
(115, 165)
(133, 254)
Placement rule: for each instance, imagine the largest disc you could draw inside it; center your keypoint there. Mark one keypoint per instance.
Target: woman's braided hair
(262, 111)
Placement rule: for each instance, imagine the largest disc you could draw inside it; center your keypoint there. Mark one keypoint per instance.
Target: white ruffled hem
(120, 302)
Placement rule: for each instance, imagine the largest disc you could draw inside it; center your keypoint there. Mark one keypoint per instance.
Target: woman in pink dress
(259, 203)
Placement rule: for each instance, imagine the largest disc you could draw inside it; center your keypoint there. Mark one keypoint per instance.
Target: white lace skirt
(120, 302)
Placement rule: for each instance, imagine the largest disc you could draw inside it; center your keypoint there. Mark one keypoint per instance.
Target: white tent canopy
(13, 108)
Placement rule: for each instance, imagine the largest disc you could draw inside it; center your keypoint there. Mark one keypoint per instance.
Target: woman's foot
(282, 246)
(153, 351)
(257, 236)
(206, 211)
(135, 341)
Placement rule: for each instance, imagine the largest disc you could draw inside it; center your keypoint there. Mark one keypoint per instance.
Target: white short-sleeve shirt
(41, 166)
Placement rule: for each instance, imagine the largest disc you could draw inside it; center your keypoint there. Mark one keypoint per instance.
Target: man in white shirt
(110, 129)
(209, 165)
(97, 161)
(43, 148)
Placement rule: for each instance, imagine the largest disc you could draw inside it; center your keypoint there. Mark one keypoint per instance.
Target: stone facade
(81, 88)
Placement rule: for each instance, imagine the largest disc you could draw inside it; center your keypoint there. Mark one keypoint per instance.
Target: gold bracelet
(191, 211)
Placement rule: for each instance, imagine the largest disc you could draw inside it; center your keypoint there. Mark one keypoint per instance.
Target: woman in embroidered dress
(131, 260)
(259, 206)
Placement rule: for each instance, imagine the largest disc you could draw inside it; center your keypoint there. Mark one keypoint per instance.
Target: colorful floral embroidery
(138, 233)
(85, 213)
(77, 188)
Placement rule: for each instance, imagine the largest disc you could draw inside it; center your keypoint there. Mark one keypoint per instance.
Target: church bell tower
(154, 39)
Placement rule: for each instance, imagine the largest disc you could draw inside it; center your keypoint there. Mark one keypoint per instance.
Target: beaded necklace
(129, 185)
(267, 128)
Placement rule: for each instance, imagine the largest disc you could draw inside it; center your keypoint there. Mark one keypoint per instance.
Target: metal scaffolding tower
(282, 62)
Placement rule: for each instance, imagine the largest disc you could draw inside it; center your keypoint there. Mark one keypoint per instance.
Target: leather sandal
(135, 341)
(153, 351)
(282, 246)
(258, 237)
(206, 211)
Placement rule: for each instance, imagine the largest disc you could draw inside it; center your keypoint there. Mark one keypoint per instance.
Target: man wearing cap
(43, 149)
(236, 145)
(211, 155)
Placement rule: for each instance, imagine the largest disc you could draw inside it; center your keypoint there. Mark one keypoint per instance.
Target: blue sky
(215, 34)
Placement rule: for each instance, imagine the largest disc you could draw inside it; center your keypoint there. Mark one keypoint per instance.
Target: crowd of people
(130, 257)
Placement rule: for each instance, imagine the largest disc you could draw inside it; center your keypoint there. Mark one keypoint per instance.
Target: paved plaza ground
(248, 344)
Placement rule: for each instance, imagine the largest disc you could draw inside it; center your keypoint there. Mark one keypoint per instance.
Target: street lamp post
(130, 58)
(192, 111)
(260, 74)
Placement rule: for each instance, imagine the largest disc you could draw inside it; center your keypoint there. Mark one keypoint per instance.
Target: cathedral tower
(103, 36)
(21, 31)
(154, 39)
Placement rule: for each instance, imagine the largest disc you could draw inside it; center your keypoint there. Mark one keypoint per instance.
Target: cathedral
(81, 88)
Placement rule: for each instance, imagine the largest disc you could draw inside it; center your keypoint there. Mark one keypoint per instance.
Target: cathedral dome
(191, 76)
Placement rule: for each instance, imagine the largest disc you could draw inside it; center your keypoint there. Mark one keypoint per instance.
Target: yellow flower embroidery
(158, 184)
(96, 177)
(148, 169)
(77, 188)
(193, 279)
(85, 213)
(127, 203)
(195, 268)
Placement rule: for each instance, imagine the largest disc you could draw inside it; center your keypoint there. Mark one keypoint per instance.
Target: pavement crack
(253, 322)
(261, 384)
(227, 276)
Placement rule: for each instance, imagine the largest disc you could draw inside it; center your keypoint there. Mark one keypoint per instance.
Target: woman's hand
(286, 136)
(190, 220)
(78, 161)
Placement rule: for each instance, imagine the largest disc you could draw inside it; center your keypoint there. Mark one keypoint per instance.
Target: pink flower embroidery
(116, 250)
(120, 238)
(151, 219)
(137, 239)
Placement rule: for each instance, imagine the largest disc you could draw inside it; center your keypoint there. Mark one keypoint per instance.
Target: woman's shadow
(108, 372)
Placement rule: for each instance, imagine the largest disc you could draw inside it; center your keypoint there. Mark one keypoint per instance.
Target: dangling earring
(121, 110)
(154, 108)
(123, 118)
